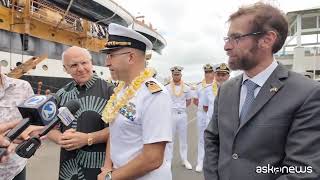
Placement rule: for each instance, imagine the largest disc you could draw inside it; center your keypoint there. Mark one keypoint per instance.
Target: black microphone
(36, 110)
(40, 109)
(65, 115)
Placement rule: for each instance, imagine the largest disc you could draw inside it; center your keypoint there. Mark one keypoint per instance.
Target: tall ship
(34, 33)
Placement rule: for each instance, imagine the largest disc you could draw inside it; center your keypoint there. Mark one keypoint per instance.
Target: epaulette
(199, 83)
(153, 87)
(187, 84)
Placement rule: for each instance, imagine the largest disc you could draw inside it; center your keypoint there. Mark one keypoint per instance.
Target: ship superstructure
(30, 29)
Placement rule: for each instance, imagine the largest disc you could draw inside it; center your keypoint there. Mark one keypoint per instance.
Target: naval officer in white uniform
(202, 111)
(222, 74)
(181, 98)
(138, 113)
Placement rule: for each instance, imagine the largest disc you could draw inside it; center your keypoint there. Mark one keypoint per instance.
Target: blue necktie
(251, 86)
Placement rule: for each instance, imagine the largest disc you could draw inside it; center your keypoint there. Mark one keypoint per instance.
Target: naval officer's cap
(222, 68)
(121, 37)
(208, 67)
(176, 69)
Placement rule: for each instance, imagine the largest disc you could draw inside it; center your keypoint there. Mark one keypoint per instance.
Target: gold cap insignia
(223, 66)
(208, 67)
(176, 69)
(117, 43)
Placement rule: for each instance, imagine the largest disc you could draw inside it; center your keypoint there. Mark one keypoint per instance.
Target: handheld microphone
(40, 109)
(65, 115)
(36, 110)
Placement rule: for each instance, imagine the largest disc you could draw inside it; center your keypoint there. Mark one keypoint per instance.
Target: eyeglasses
(113, 55)
(176, 74)
(236, 38)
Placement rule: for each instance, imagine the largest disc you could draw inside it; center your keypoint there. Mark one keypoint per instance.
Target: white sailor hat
(120, 37)
(208, 67)
(176, 69)
(222, 68)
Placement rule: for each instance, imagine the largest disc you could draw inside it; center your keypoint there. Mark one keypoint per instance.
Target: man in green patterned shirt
(83, 141)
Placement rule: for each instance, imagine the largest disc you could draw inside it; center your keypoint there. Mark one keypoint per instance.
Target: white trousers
(202, 125)
(180, 126)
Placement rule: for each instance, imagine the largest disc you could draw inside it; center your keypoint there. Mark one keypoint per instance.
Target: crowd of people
(266, 117)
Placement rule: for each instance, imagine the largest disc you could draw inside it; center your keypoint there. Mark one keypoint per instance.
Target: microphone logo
(48, 111)
(35, 101)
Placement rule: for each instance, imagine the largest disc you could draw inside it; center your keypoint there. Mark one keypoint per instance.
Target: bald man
(83, 142)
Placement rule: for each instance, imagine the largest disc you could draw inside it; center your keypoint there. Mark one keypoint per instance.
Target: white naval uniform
(145, 119)
(180, 120)
(209, 101)
(201, 121)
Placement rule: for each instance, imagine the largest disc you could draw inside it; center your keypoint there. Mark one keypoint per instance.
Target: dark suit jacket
(281, 129)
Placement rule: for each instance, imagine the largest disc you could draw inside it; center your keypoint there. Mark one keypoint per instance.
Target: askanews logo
(269, 169)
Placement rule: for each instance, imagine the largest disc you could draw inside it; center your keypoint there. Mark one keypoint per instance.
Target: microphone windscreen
(73, 106)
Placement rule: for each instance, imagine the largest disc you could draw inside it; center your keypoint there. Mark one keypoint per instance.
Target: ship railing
(42, 10)
(49, 13)
(55, 16)
(8, 3)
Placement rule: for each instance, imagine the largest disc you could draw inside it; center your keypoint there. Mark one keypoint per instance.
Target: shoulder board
(166, 84)
(153, 87)
(198, 83)
(186, 84)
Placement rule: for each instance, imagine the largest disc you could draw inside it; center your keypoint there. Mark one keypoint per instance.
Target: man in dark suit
(266, 122)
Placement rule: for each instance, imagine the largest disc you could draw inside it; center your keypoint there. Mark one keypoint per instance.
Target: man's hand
(4, 142)
(104, 171)
(32, 130)
(4, 128)
(72, 140)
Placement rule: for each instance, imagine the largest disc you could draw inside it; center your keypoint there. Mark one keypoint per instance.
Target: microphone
(36, 110)
(40, 109)
(65, 115)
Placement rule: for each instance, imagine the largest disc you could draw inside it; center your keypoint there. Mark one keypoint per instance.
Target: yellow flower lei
(204, 84)
(174, 88)
(111, 110)
(215, 88)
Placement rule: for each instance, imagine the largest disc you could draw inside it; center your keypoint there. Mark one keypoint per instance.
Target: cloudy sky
(194, 29)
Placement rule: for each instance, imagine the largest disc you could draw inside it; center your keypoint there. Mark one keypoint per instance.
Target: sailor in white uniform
(181, 98)
(222, 74)
(138, 113)
(202, 111)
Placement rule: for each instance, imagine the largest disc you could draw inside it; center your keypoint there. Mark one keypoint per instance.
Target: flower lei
(203, 83)
(174, 88)
(215, 88)
(111, 110)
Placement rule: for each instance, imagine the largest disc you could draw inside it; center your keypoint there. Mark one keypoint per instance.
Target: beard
(245, 62)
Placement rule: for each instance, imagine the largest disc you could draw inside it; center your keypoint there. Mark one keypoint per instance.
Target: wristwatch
(90, 139)
(109, 176)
